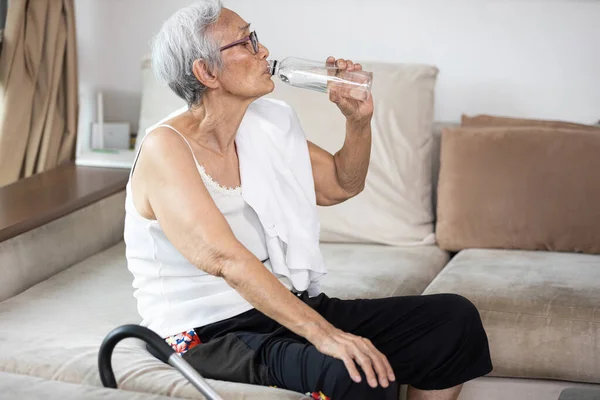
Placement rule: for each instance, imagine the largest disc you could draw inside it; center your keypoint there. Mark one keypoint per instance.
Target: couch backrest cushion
(158, 101)
(529, 188)
(438, 127)
(40, 253)
(493, 120)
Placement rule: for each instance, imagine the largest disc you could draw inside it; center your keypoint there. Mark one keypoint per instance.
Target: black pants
(432, 342)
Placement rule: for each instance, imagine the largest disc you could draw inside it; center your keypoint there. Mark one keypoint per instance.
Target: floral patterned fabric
(185, 341)
(318, 396)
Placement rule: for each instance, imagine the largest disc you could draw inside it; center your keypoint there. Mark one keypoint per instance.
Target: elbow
(354, 191)
(233, 271)
(224, 267)
(213, 262)
(340, 196)
(359, 189)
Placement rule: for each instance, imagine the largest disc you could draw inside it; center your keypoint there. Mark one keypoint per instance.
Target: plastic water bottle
(322, 77)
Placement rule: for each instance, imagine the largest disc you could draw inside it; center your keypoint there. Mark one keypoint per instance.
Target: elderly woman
(222, 236)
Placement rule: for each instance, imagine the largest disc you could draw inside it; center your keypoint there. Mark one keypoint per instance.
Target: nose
(263, 52)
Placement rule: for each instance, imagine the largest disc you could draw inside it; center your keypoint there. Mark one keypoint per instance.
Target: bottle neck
(273, 67)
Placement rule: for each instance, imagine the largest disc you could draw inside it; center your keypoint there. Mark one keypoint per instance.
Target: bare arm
(177, 197)
(342, 176)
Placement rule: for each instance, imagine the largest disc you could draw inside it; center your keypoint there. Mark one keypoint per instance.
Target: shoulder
(164, 147)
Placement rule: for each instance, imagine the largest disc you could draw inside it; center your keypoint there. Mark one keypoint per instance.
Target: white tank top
(172, 294)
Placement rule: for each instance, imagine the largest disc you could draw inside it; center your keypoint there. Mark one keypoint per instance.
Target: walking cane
(160, 349)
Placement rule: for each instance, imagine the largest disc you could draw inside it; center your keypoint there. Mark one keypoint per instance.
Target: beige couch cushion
(395, 207)
(54, 329)
(491, 388)
(158, 101)
(524, 188)
(375, 271)
(17, 387)
(438, 127)
(35, 255)
(540, 309)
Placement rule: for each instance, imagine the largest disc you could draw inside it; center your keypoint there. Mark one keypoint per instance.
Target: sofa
(65, 286)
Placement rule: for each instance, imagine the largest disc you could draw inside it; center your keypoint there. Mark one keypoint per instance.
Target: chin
(260, 91)
(268, 88)
(271, 86)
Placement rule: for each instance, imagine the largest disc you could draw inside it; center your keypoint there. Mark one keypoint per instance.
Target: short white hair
(182, 39)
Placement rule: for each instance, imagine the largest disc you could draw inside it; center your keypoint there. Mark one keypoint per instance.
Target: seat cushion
(54, 330)
(494, 388)
(375, 271)
(541, 310)
(15, 387)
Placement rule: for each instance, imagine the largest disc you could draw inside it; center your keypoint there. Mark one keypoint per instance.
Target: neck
(216, 121)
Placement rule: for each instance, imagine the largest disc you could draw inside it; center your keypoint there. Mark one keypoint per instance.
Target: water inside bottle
(353, 84)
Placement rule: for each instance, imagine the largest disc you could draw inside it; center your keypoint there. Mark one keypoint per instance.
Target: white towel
(277, 182)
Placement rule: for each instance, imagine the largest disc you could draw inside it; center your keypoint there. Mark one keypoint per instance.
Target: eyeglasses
(252, 38)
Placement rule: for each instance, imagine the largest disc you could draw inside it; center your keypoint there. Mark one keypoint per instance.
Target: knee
(336, 371)
(338, 384)
(335, 379)
(461, 318)
(466, 320)
(461, 310)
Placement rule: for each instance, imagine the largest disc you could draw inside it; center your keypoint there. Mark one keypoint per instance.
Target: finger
(387, 371)
(357, 67)
(334, 95)
(349, 65)
(330, 65)
(378, 364)
(340, 63)
(367, 366)
(351, 367)
(388, 368)
(380, 368)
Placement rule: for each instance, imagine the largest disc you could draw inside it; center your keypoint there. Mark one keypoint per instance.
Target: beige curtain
(38, 88)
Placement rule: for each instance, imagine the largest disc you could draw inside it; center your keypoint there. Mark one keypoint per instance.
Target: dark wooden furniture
(35, 201)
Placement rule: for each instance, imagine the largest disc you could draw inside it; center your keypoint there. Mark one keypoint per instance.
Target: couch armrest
(56, 219)
(35, 201)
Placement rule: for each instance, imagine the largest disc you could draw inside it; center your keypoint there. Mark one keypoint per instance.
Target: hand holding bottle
(341, 93)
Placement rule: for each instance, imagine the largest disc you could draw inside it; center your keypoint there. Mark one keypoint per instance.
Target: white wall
(527, 58)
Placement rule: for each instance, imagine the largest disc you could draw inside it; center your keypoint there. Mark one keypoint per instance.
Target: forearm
(352, 160)
(263, 290)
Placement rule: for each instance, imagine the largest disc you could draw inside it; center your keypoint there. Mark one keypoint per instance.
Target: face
(245, 73)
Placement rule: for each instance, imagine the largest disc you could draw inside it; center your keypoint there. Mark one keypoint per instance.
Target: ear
(204, 74)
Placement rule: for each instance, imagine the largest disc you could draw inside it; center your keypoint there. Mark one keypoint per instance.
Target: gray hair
(182, 39)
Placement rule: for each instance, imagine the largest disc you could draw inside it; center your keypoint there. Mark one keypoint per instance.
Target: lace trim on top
(214, 185)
